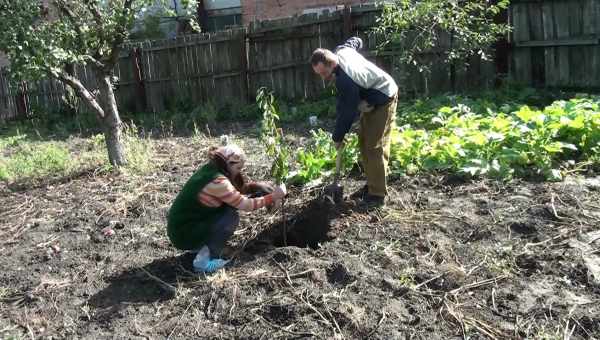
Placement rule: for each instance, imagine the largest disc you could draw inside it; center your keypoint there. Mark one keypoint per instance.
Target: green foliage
(31, 160)
(207, 113)
(272, 136)
(40, 40)
(462, 27)
(318, 159)
(150, 27)
(419, 113)
(12, 141)
(27, 157)
(524, 142)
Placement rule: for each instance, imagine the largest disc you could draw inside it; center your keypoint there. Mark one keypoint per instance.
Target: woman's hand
(279, 192)
(263, 187)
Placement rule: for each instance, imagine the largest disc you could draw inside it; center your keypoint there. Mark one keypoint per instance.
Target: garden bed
(444, 259)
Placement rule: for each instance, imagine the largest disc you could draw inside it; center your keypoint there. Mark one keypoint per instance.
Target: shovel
(334, 191)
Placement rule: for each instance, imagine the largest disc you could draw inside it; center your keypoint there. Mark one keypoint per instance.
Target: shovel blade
(334, 192)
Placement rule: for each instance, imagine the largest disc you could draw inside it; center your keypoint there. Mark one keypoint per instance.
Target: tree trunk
(111, 122)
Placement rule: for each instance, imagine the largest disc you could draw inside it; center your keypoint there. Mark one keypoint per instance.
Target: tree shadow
(32, 183)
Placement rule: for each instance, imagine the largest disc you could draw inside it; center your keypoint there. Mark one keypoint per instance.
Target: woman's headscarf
(231, 153)
(222, 155)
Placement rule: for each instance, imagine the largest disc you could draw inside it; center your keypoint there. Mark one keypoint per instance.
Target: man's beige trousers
(374, 138)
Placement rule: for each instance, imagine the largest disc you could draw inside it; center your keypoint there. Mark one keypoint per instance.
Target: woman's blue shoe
(204, 264)
(209, 266)
(214, 265)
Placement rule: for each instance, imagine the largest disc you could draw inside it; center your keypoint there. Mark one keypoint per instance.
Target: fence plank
(562, 32)
(207, 60)
(538, 60)
(595, 67)
(575, 17)
(200, 68)
(188, 66)
(521, 56)
(6, 109)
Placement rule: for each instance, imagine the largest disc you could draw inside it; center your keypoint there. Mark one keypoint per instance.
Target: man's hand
(364, 107)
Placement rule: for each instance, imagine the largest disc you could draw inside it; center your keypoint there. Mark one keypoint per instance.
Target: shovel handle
(338, 163)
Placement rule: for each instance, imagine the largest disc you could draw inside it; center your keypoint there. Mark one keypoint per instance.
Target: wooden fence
(556, 43)
(228, 67)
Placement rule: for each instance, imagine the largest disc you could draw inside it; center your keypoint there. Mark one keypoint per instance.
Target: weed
(139, 150)
(407, 278)
(197, 135)
(324, 108)
(206, 113)
(36, 160)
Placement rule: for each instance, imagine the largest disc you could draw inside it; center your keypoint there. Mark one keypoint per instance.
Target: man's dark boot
(360, 193)
(374, 201)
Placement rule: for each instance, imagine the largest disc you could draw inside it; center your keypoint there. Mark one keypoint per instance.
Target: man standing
(366, 90)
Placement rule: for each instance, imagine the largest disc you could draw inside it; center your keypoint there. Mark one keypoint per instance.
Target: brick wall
(257, 10)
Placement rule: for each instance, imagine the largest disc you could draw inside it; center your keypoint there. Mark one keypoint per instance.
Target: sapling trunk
(284, 222)
(272, 136)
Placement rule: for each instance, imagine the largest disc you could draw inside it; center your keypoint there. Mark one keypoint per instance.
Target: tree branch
(81, 91)
(95, 56)
(94, 61)
(119, 38)
(95, 12)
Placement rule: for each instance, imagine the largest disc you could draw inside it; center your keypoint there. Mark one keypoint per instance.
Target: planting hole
(522, 228)
(307, 229)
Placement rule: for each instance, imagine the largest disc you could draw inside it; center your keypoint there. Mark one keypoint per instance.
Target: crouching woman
(204, 214)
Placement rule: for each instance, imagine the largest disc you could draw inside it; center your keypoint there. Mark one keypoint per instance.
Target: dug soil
(88, 257)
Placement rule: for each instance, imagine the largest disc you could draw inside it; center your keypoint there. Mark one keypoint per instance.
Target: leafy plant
(272, 136)
(149, 27)
(524, 142)
(318, 159)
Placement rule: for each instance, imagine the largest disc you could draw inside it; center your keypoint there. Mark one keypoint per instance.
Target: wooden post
(452, 66)
(4, 113)
(138, 77)
(21, 100)
(501, 49)
(347, 27)
(245, 82)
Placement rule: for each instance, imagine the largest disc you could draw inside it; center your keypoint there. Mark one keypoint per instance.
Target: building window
(221, 22)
